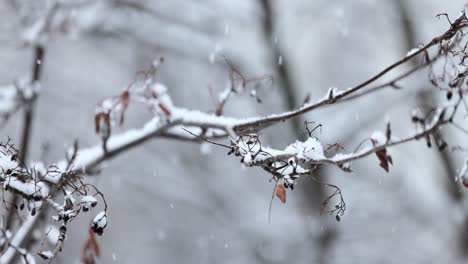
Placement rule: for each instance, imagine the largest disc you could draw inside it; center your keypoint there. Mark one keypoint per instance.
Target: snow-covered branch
(61, 186)
(33, 193)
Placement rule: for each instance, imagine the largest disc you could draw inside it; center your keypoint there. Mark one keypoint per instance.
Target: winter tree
(220, 131)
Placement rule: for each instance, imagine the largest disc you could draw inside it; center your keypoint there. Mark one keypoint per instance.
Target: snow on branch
(301, 158)
(287, 164)
(61, 186)
(69, 197)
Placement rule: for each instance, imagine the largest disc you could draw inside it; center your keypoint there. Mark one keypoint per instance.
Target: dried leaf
(427, 59)
(281, 193)
(330, 95)
(388, 133)
(384, 159)
(124, 98)
(97, 122)
(91, 250)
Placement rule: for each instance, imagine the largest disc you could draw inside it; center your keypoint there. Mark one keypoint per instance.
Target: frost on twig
(61, 186)
(34, 192)
(286, 166)
(302, 157)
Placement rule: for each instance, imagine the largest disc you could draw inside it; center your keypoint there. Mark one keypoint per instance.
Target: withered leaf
(330, 95)
(97, 121)
(384, 159)
(427, 59)
(124, 98)
(388, 133)
(281, 193)
(90, 249)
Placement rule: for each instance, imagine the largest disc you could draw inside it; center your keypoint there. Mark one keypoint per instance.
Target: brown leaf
(388, 132)
(384, 159)
(124, 98)
(427, 59)
(97, 121)
(390, 160)
(90, 250)
(281, 193)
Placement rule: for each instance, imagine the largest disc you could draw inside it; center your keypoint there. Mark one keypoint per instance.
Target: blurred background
(177, 202)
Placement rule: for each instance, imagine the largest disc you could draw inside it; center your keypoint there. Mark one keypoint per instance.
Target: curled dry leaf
(427, 59)
(384, 159)
(281, 193)
(91, 250)
(124, 98)
(388, 133)
(97, 122)
(102, 119)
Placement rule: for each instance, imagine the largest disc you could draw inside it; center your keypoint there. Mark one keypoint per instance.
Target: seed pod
(428, 141)
(99, 223)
